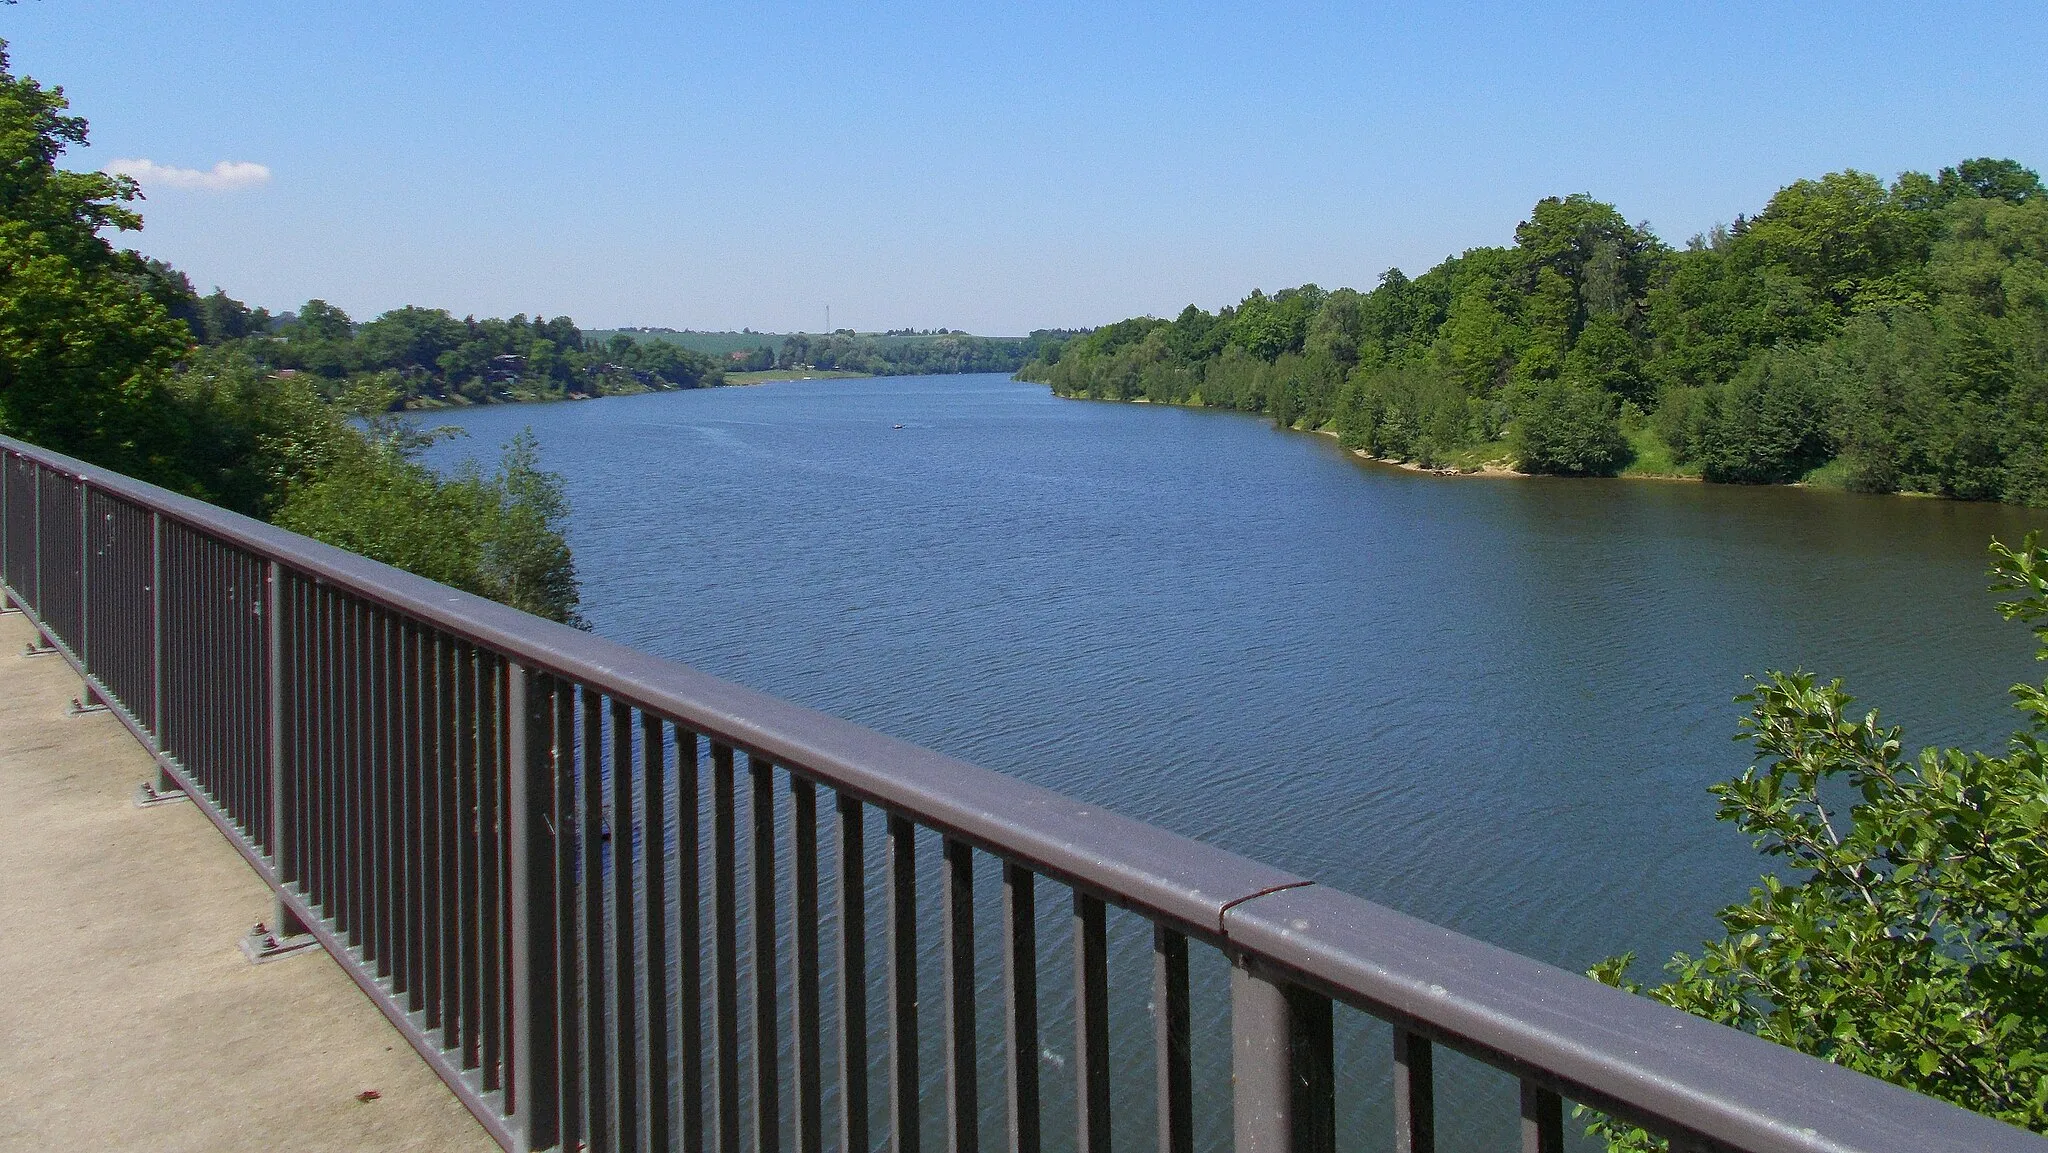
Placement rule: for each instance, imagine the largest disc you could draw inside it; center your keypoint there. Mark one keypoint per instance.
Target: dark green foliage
(1568, 427)
(1767, 426)
(497, 535)
(1901, 327)
(428, 357)
(1906, 937)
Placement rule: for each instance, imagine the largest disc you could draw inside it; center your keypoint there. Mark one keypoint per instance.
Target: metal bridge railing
(502, 829)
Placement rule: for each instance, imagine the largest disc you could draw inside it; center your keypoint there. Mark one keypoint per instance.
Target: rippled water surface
(1493, 703)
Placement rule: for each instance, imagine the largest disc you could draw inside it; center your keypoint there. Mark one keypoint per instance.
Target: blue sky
(980, 166)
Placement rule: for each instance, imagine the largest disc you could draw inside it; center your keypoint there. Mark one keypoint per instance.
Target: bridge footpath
(129, 1019)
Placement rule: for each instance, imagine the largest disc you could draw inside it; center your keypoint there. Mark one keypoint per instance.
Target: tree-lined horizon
(1881, 337)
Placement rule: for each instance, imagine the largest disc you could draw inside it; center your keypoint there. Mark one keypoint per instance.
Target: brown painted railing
(493, 823)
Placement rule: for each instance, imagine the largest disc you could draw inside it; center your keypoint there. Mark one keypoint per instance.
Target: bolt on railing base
(149, 794)
(261, 945)
(288, 939)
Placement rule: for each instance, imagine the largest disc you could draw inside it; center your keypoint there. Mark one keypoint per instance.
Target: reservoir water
(1492, 703)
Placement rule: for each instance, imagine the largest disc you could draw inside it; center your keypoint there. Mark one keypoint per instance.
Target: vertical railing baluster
(853, 977)
(330, 726)
(377, 715)
(360, 828)
(597, 1128)
(448, 831)
(1414, 1093)
(568, 1018)
(36, 489)
(435, 755)
(688, 905)
(725, 949)
(156, 628)
(590, 1000)
(627, 1011)
(84, 646)
(657, 1110)
(390, 795)
(277, 721)
(767, 1045)
(1091, 1025)
(1170, 1026)
(298, 713)
(534, 849)
(1542, 1120)
(963, 1107)
(810, 1089)
(470, 892)
(1020, 1018)
(6, 526)
(412, 768)
(1282, 1076)
(904, 1133)
(491, 833)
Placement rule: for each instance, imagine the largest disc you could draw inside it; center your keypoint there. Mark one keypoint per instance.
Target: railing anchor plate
(261, 945)
(149, 794)
(79, 708)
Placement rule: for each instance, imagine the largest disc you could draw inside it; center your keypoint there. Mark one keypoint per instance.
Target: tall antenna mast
(828, 320)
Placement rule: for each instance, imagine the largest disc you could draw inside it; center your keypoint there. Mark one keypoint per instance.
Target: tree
(525, 560)
(83, 343)
(1266, 328)
(408, 338)
(1569, 428)
(498, 535)
(1991, 179)
(1767, 426)
(1906, 937)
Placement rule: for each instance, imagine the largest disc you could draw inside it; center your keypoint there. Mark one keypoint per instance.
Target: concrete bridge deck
(129, 1018)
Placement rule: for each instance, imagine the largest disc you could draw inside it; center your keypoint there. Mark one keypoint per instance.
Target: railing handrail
(1590, 1042)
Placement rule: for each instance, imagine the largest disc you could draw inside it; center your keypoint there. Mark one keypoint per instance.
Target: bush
(1568, 428)
(1767, 426)
(497, 535)
(1905, 938)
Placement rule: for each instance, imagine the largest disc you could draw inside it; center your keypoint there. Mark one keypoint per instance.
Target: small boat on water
(895, 426)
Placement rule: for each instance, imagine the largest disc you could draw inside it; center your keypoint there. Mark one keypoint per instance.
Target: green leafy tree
(498, 535)
(1568, 427)
(84, 343)
(1990, 178)
(524, 560)
(1767, 426)
(1905, 933)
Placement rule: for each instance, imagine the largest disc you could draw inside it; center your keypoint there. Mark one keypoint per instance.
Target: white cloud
(227, 176)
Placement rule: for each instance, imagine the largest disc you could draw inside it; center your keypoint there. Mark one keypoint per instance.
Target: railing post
(9, 596)
(532, 1096)
(84, 645)
(1283, 1091)
(156, 628)
(164, 788)
(6, 526)
(37, 570)
(273, 707)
